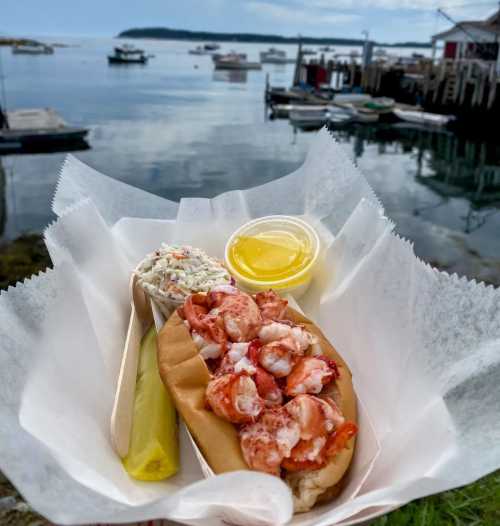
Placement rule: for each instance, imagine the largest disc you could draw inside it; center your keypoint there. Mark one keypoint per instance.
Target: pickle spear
(154, 449)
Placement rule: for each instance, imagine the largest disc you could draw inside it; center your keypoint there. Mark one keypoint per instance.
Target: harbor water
(177, 128)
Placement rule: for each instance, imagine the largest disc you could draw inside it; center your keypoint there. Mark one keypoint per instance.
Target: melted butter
(270, 256)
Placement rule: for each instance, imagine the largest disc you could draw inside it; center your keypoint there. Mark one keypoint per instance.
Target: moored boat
(211, 46)
(294, 95)
(343, 98)
(127, 54)
(380, 104)
(423, 118)
(206, 49)
(309, 118)
(365, 115)
(282, 111)
(35, 128)
(338, 116)
(275, 56)
(360, 113)
(235, 61)
(35, 48)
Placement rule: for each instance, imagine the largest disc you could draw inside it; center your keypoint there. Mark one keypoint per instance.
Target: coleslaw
(173, 272)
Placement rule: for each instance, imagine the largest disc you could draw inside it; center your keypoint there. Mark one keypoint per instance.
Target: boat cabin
(471, 40)
(127, 54)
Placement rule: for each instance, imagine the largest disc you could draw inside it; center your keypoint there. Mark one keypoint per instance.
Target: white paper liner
(424, 349)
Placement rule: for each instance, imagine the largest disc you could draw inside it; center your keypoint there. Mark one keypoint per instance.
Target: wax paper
(423, 348)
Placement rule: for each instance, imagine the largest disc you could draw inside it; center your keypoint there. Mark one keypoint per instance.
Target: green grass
(21, 259)
(476, 504)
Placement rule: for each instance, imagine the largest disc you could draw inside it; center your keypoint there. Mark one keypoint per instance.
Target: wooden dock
(37, 128)
(468, 89)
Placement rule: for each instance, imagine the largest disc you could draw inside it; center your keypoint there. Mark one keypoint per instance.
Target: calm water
(177, 128)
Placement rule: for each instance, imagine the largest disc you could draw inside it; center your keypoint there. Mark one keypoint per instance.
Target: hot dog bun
(186, 375)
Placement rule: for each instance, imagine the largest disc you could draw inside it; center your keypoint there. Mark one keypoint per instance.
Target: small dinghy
(423, 118)
(282, 111)
(380, 104)
(308, 118)
(338, 116)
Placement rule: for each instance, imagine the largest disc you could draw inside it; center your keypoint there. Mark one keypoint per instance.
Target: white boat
(206, 49)
(365, 115)
(198, 50)
(359, 113)
(282, 111)
(309, 118)
(36, 48)
(235, 61)
(423, 118)
(275, 56)
(338, 115)
(342, 98)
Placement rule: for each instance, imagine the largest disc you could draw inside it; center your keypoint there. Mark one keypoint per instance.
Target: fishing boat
(327, 49)
(235, 60)
(206, 49)
(211, 46)
(309, 51)
(35, 48)
(275, 56)
(423, 118)
(37, 128)
(127, 54)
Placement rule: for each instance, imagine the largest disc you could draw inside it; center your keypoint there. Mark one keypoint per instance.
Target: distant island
(165, 33)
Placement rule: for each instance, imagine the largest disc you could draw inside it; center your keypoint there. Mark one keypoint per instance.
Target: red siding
(450, 49)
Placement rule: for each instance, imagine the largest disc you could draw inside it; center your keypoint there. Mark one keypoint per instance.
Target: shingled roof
(490, 25)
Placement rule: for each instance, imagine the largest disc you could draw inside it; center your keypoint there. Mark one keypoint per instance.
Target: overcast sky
(388, 20)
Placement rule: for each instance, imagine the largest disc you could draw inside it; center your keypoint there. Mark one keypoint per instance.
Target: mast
(298, 63)
(4, 123)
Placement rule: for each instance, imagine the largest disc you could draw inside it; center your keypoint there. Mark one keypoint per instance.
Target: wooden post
(378, 79)
(465, 83)
(493, 90)
(438, 81)
(482, 84)
(427, 79)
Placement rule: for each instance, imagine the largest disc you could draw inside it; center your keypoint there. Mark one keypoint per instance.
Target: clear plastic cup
(277, 252)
